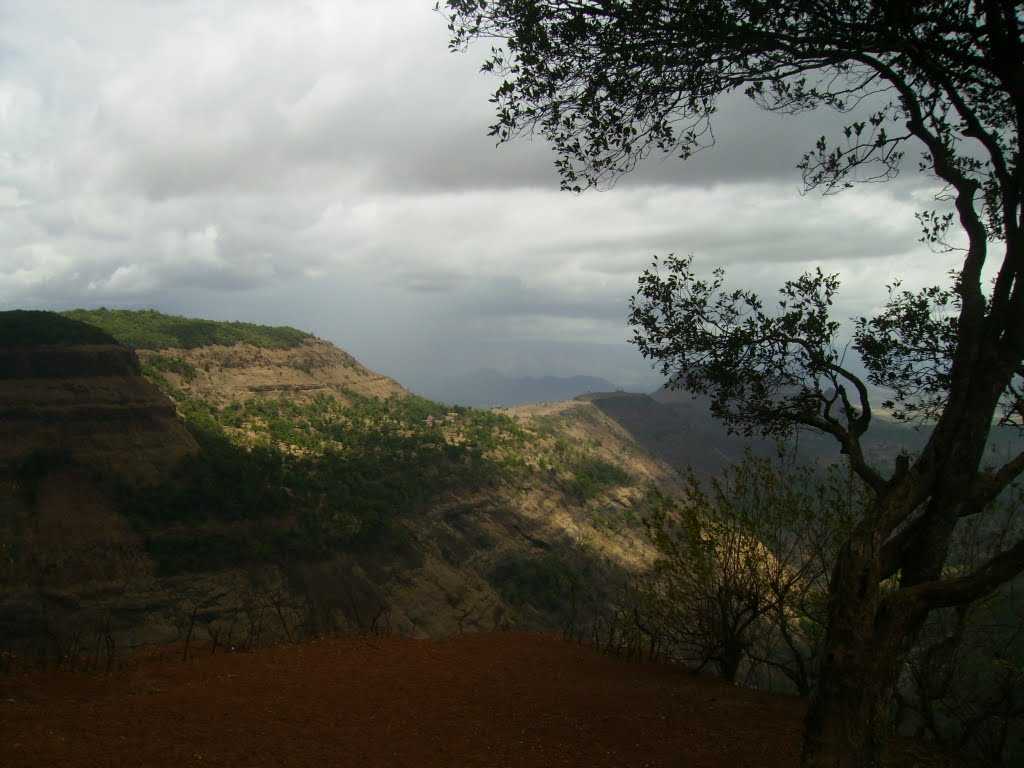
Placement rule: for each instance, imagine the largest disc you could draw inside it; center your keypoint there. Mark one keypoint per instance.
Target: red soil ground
(486, 700)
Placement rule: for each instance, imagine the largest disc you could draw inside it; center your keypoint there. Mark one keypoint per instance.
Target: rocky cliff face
(77, 422)
(222, 374)
(90, 404)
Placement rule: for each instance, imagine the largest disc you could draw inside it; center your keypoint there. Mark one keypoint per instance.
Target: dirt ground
(502, 699)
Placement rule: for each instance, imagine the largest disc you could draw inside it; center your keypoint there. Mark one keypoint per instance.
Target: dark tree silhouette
(608, 81)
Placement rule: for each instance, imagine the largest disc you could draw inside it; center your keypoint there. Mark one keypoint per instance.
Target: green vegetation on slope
(156, 365)
(149, 329)
(277, 479)
(21, 327)
(584, 474)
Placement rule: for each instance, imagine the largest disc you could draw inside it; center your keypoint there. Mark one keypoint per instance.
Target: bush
(744, 566)
(160, 364)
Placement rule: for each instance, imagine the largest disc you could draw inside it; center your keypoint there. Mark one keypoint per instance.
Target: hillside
(78, 422)
(68, 389)
(325, 496)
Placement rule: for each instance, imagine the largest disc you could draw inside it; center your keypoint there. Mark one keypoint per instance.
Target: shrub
(169, 364)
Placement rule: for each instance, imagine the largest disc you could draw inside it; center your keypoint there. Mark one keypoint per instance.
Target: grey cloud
(294, 164)
(259, 98)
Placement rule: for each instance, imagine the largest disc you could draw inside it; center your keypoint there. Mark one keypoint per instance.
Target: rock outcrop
(222, 374)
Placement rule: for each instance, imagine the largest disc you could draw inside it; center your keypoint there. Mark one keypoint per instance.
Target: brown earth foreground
(503, 699)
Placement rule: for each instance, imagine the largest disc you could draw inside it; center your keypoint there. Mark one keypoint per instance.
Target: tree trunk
(729, 663)
(848, 720)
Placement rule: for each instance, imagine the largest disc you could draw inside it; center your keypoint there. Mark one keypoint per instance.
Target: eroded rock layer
(221, 374)
(91, 405)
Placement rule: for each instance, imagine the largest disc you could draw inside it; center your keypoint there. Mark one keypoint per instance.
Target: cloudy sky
(326, 165)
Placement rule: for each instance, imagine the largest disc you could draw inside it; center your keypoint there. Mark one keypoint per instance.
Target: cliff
(79, 424)
(90, 404)
(221, 374)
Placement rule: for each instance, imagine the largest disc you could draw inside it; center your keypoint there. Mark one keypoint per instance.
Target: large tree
(609, 81)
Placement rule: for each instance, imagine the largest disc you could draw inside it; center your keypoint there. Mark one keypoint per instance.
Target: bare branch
(946, 593)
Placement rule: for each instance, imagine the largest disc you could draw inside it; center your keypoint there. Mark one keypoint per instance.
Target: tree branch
(990, 484)
(947, 593)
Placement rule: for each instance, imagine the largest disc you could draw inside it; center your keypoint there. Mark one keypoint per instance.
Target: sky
(326, 165)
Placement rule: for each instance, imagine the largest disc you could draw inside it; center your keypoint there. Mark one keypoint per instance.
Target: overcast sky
(326, 165)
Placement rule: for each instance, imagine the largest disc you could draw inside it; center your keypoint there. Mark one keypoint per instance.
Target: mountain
(302, 493)
(678, 428)
(490, 388)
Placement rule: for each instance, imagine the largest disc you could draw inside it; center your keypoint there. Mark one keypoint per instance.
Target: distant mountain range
(678, 428)
(488, 387)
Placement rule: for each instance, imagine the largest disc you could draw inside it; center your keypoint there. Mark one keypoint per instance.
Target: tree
(963, 684)
(706, 598)
(743, 566)
(609, 81)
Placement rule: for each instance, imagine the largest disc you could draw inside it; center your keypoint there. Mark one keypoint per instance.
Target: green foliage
(765, 371)
(26, 327)
(160, 364)
(584, 476)
(591, 476)
(149, 329)
(292, 479)
(543, 581)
